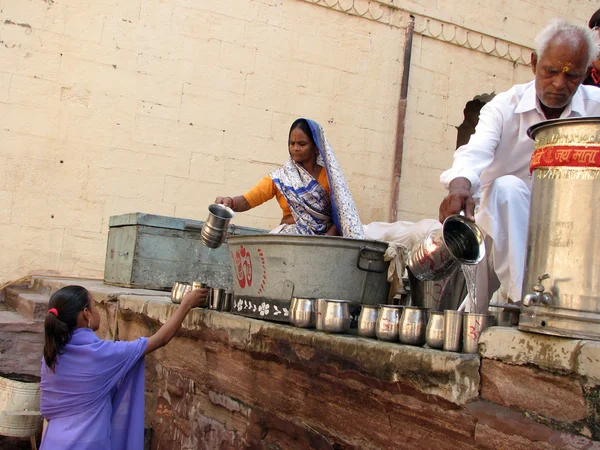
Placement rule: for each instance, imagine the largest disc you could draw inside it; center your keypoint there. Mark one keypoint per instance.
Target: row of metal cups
(328, 315)
(217, 299)
(449, 330)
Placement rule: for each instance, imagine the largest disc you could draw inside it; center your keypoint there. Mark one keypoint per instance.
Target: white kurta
(496, 162)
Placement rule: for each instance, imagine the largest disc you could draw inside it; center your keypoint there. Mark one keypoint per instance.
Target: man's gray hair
(573, 34)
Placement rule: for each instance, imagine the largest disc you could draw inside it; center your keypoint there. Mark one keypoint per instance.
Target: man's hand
(459, 199)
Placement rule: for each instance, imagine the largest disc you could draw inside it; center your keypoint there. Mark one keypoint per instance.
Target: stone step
(102, 292)
(30, 305)
(21, 343)
(31, 301)
(12, 321)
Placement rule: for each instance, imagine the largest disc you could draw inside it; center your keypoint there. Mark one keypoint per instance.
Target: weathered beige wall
(158, 106)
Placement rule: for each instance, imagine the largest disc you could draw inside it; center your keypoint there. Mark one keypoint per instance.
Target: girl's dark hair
(303, 125)
(595, 20)
(67, 301)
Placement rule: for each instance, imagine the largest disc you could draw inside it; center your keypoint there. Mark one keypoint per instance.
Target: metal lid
(534, 129)
(172, 223)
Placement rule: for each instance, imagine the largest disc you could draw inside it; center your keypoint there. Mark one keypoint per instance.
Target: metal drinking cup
(434, 334)
(440, 254)
(452, 330)
(367, 320)
(216, 299)
(175, 295)
(337, 316)
(388, 322)
(412, 325)
(200, 285)
(320, 312)
(182, 289)
(473, 326)
(303, 312)
(227, 301)
(293, 310)
(214, 230)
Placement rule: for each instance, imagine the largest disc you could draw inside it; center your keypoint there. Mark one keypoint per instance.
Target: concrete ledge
(451, 376)
(552, 380)
(512, 346)
(588, 361)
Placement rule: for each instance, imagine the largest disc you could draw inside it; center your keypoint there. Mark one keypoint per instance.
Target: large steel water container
(561, 287)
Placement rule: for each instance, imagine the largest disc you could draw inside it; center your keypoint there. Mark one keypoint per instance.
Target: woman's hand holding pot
(227, 201)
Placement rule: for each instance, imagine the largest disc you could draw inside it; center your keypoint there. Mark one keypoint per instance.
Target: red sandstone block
(499, 427)
(554, 396)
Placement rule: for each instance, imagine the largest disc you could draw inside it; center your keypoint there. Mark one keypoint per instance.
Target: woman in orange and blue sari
(310, 188)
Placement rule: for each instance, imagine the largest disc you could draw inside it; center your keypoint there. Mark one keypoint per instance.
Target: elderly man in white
(492, 169)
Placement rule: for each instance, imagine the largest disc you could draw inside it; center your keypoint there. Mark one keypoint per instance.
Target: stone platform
(230, 382)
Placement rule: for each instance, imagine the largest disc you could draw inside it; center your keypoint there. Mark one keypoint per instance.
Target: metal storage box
(152, 252)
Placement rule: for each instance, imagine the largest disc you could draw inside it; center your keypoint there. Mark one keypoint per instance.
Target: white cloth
(500, 147)
(505, 219)
(395, 254)
(403, 233)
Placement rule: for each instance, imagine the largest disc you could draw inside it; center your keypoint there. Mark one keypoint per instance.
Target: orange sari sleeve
(324, 181)
(263, 191)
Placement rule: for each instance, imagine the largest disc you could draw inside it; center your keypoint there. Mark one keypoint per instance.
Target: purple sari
(95, 400)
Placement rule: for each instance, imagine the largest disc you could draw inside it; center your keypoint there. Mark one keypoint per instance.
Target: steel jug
(214, 230)
(440, 254)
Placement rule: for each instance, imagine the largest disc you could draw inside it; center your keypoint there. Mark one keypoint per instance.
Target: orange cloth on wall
(266, 190)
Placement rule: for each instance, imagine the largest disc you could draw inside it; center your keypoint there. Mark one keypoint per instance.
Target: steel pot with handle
(268, 270)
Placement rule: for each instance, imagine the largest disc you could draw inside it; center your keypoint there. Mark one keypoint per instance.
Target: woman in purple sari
(93, 390)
